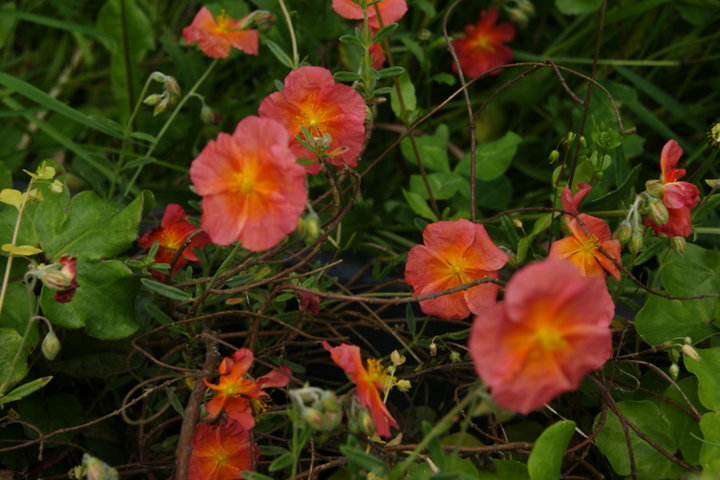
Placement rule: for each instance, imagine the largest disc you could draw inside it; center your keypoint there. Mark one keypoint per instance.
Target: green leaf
(410, 319)
(407, 91)
(25, 389)
(617, 196)
(10, 343)
(50, 413)
(9, 12)
(363, 460)
(444, 185)
(279, 53)
(506, 470)
(7, 21)
(346, 76)
(549, 450)
(419, 205)
(281, 462)
(432, 150)
(650, 464)
(132, 36)
(710, 452)
(577, 7)
(391, 72)
(706, 370)
(250, 475)
(166, 290)
(493, 158)
(351, 40)
(5, 178)
(384, 32)
(104, 302)
(16, 312)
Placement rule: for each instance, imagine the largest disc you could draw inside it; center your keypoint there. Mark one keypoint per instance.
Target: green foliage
(547, 454)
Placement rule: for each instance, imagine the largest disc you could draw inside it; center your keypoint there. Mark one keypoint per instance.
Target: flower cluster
(171, 234)
(454, 253)
(221, 450)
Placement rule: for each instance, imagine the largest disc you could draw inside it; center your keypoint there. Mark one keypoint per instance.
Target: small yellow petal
(44, 172)
(22, 250)
(11, 197)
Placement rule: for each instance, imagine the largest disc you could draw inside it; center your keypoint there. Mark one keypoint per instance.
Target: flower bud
(366, 422)
(654, 187)
(713, 183)
(403, 385)
(527, 6)
(624, 232)
(330, 402)
(674, 370)
(397, 358)
(678, 245)
(157, 77)
(208, 115)
(455, 357)
(583, 142)
(313, 417)
(171, 86)
(153, 99)
(162, 106)
(517, 16)
(636, 241)
(689, 351)
(554, 156)
(658, 211)
(50, 345)
(312, 226)
(713, 135)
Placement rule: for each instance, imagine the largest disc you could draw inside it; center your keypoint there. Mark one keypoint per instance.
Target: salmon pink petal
(245, 40)
(242, 360)
(614, 251)
(480, 297)
(669, 157)
(571, 203)
(217, 35)
(240, 410)
(390, 11)
(346, 357)
(219, 452)
(680, 194)
(678, 224)
(278, 378)
(596, 227)
(545, 337)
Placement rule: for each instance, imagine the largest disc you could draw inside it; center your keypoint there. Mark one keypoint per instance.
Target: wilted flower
(220, 451)
(369, 383)
(311, 99)
(482, 48)
(390, 11)
(216, 35)
(172, 232)
(454, 253)
(678, 197)
(235, 393)
(544, 337)
(253, 189)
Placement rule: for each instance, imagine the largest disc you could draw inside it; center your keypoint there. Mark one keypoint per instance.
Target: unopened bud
(554, 156)
(570, 137)
(153, 99)
(162, 106)
(433, 349)
(172, 86)
(689, 351)
(674, 370)
(312, 226)
(208, 115)
(654, 187)
(713, 135)
(658, 211)
(50, 346)
(158, 77)
(313, 417)
(678, 245)
(455, 357)
(713, 183)
(583, 142)
(424, 35)
(517, 222)
(517, 16)
(527, 6)
(366, 423)
(330, 402)
(624, 232)
(636, 241)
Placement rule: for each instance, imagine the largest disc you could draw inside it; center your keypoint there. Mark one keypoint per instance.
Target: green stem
(16, 231)
(707, 230)
(291, 29)
(438, 429)
(169, 121)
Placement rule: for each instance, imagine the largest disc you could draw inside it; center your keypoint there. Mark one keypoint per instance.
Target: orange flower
(216, 36)
(311, 99)
(582, 249)
(234, 394)
(220, 452)
(253, 189)
(369, 383)
(549, 332)
(482, 49)
(678, 197)
(170, 234)
(390, 11)
(454, 253)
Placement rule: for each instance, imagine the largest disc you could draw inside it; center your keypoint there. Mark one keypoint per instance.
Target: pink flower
(253, 189)
(217, 35)
(678, 197)
(454, 253)
(550, 331)
(369, 382)
(311, 99)
(482, 49)
(390, 11)
(571, 203)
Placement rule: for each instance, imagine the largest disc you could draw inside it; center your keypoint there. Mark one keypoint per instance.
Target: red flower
(454, 253)
(234, 394)
(66, 290)
(582, 249)
(220, 451)
(678, 197)
(549, 332)
(216, 36)
(571, 203)
(390, 11)
(310, 98)
(253, 189)
(369, 383)
(171, 234)
(482, 49)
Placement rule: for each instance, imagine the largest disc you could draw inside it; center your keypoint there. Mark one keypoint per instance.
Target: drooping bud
(50, 345)
(636, 240)
(654, 187)
(313, 417)
(554, 156)
(208, 115)
(152, 99)
(517, 16)
(624, 232)
(678, 245)
(674, 370)
(658, 211)
(172, 87)
(713, 183)
(689, 351)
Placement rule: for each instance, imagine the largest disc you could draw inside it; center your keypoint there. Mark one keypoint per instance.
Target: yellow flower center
(483, 43)
(589, 246)
(222, 23)
(377, 373)
(550, 339)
